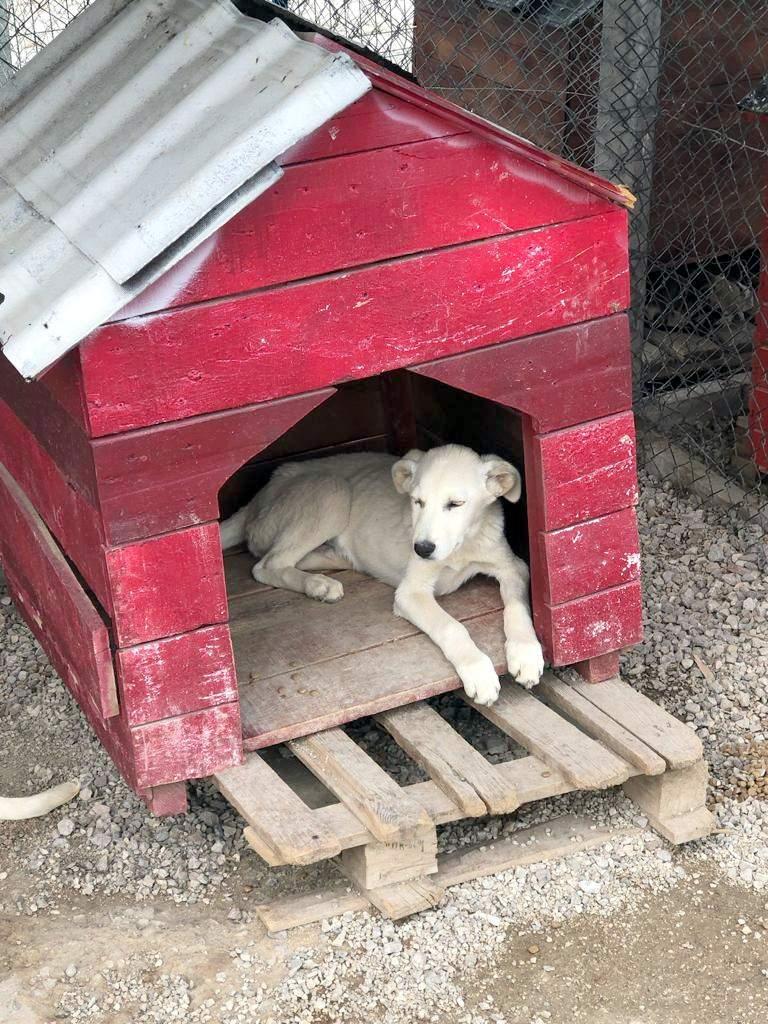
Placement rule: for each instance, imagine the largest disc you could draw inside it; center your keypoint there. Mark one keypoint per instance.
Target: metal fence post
(625, 131)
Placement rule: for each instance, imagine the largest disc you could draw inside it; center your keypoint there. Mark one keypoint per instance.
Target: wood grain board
(675, 742)
(586, 365)
(301, 664)
(318, 218)
(361, 785)
(244, 349)
(283, 822)
(29, 551)
(458, 769)
(573, 744)
(584, 762)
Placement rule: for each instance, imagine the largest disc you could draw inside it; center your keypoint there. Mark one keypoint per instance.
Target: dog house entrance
(304, 666)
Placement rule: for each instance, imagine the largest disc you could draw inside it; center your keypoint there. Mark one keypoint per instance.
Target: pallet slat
(559, 838)
(453, 764)
(584, 762)
(289, 830)
(375, 798)
(529, 777)
(675, 742)
(295, 911)
(599, 725)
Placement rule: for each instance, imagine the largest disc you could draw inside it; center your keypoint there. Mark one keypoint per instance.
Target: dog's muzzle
(424, 548)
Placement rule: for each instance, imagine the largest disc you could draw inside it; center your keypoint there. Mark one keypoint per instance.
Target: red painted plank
(63, 608)
(591, 626)
(374, 121)
(432, 103)
(562, 378)
(366, 208)
(64, 382)
(53, 428)
(587, 471)
(187, 747)
(112, 732)
(590, 556)
(352, 325)
(167, 585)
(70, 518)
(168, 477)
(179, 674)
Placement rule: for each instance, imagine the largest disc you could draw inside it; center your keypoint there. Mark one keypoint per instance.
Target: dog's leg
(309, 512)
(323, 559)
(525, 659)
(417, 604)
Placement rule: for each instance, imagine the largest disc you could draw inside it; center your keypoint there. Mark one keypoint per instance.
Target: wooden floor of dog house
(306, 667)
(301, 663)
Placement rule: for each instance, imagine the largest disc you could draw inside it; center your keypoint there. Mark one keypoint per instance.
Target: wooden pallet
(577, 736)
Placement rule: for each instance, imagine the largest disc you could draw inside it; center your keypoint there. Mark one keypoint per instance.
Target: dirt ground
(697, 955)
(110, 916)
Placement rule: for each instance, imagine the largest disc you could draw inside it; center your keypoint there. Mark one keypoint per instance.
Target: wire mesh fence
(668, 97)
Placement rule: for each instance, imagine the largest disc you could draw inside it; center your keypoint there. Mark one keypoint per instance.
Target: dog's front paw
(525, 661)
(481, 684)
(323, 588)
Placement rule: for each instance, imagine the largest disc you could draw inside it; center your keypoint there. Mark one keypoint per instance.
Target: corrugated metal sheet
(136, 133)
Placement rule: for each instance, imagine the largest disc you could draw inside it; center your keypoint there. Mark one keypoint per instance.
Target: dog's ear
(404, 471)
(501, 478)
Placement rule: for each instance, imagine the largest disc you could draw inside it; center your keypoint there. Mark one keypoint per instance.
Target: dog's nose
(424, 548)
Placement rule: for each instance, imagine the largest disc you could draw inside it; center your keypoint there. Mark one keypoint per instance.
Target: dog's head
(450, 488)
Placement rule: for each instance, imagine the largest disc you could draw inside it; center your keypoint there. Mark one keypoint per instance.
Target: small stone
(65, 827)
(70, 971)
(533, 950)
(588, 886)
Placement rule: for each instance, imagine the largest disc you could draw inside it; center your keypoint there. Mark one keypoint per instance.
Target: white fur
(368, 511)
(19, 807)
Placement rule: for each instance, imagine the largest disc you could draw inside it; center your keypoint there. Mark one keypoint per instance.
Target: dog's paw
(481, 684)
(323, 588)
(525, 661)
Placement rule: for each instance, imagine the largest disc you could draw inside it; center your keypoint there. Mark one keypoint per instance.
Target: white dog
(425, 524)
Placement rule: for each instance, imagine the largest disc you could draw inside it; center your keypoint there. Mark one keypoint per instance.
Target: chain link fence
(668, 97)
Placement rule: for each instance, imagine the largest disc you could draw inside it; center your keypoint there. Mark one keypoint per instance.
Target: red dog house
(416, 276)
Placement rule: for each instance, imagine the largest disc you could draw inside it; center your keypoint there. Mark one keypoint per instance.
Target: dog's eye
(419, 502)
(454, 504)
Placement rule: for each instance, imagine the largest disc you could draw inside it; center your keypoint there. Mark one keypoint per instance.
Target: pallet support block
(377, 864)
(674, 802)
(597, 670)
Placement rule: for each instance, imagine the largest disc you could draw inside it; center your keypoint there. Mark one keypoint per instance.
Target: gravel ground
(107, 914)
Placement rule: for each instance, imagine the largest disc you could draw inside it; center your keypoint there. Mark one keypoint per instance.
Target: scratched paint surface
(297, 338)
